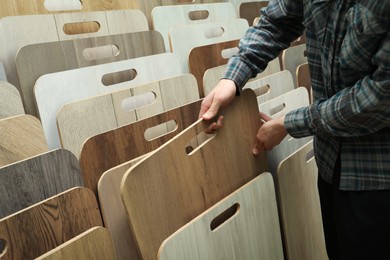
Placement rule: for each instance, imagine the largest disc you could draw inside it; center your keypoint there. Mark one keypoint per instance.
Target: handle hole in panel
(214, 32)
(61, 5)
(198, 15)
(262, 90)
(228, 53)
(138, 101)
(81, 28)
(3, 247)
(277, 109)
(304, 53)
(185, 1)
(309, 155)
(101, 52)
(222, 218)
(197, 142)
(160, 130)
(119, 77)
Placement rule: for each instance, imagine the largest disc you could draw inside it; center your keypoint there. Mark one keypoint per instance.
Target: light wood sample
(35, 230)
(250, 229)
(300, 210)
(190, 173)
(304, 79)
(93, 244)
(3, 77)
(250, 10)
(79, 120)
(21, 137)
(10, 101)
(183, 38)
(102, 152)
(59, 88)
(30, 181)
(167, 16)
(292, 57)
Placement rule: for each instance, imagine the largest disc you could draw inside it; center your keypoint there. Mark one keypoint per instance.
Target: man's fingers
(265, 117)
(214, 126)
(213, 110)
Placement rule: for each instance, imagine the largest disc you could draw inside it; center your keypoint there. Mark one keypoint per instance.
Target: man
(348, 50)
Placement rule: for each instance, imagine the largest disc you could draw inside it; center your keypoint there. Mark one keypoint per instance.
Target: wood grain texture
(114, 212)
(300, 210)
(59, 56)
(30, 181)
(167, 16)
(33, 29)
(212, 76)
(169, 188)
(10, 101)
(203, 58)
(93, 244)
(292, 57)
(21, 137)
(183, 38)
(253, 229)
(36, 230)
(251, 10)
(102, 152)
(79, 120)
(304, 79)
(56, 89)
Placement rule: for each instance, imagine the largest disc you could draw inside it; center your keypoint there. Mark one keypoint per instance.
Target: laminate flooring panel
(250, 10)
(292, 57)
(10, 101)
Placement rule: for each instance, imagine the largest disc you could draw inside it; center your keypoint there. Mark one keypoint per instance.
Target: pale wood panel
(43, 28)
(104, 151)
(166, 17)
(93, 244)
(35, 230)
(212, 76)
(10, 101)
(30, 181)
(251, 10)
(202, 58)
(252, 227)
(292, 57)
(3, 77)
(300, 210)
(161, 197)
(56, 89)
(183, 38)
(304, 79)
(21, 137)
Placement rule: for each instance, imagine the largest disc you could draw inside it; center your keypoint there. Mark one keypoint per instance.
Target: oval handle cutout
(222, 218)
(185, 1)
(277, 109)
(101, 52)
(262, 90)
(214, 32)
(119, 77)
(228, 53)
(81, 28)
(160, 130)
(3, 247)
(61, 5)
(138, 101)
(309, 155)
(198, 15)
(197, 142)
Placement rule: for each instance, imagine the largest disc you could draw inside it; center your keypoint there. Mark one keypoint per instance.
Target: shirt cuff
(237, 71)
(298, 123)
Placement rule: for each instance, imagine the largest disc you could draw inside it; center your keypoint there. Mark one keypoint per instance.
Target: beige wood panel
(251, 224)
(190, 173)
(35, 230)
(10, 101)
(104, 151)
(43, 28)
(93, 244)
(276, 107)
(32, 180)
(300, 210)
(79, 120)
(304, 79)
(56, 89)
(3, 77)
(21, 137)
(183, 38)
(250, 10)
(114, 213)
(292, 57)
(167, 16)
(212, 76)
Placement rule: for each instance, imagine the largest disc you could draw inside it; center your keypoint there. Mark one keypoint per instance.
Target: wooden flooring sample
(102, 152)
(167, 16)
(250, 228)
(250, 10)
(205, 57)
(79, 120)
(21, 137)
(57, 89)
(59, 56)
(292, 57)
(30, 181)
(304, 79)
(300, 210)
(10, 101)
(40, 228)
(191, 173)
(93, 244)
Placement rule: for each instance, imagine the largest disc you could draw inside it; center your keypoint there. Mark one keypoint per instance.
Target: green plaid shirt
(348, 49)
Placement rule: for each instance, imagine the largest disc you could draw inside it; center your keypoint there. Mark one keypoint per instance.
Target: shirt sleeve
(279, 25)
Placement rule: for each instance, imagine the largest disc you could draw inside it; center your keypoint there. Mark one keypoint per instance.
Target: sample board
(10, 101)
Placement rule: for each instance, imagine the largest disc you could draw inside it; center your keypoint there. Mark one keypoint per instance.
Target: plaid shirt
(348, 49)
